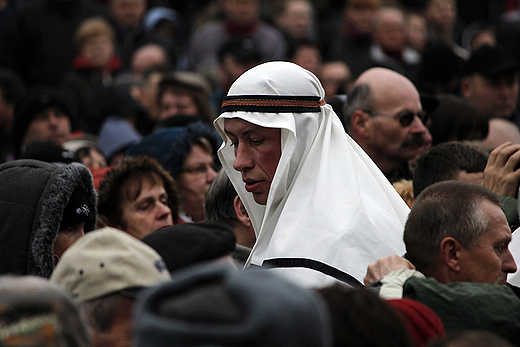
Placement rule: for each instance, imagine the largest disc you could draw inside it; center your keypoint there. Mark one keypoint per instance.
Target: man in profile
(320, 207)
(457, 232)
(384, 115)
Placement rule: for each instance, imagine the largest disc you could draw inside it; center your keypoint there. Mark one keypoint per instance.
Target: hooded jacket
(33, 196)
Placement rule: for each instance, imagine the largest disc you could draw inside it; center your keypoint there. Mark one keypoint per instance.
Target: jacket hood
(33, 196)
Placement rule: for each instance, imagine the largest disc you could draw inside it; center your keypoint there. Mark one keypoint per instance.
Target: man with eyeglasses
(385, 117)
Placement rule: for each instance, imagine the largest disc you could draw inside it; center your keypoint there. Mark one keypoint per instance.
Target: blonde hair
(93, 27)
(405, 190)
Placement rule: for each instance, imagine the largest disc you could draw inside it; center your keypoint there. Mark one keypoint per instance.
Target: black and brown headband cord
(272, 103)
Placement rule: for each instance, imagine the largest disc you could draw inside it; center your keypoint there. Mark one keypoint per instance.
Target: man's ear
(450, 250)
(465, 83)
(360, 123)
(241, 212)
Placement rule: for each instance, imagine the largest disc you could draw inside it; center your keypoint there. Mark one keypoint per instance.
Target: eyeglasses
(405, 118)
(201, 169)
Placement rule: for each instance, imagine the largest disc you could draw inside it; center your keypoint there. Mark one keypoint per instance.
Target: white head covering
(329, 207)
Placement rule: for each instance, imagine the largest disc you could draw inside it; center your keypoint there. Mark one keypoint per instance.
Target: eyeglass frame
(198, 170)
(423, 116)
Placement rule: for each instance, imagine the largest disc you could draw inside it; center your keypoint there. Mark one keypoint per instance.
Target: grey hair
(218, 204)
(359, 98)
(445, 209)
(100, 313)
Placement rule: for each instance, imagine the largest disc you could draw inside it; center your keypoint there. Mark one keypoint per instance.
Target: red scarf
(233, 29)
(81, 62)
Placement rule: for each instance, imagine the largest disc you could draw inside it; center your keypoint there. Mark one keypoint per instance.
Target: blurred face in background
(51, 124)
(309, 58)
(389, 30)
(128, 13)
(441, 14)
(360, 14)
(174, 103)
(241, 12)
(416, 31)
(98, 50)
(494, 96)
(296, 19)
(194, 181)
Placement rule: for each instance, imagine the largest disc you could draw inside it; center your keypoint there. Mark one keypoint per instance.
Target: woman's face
(194, 181)
(98, 50)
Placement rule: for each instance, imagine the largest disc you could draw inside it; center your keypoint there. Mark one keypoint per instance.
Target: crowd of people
(259, 173)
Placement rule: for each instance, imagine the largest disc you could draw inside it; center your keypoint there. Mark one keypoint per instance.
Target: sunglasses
(405, 118)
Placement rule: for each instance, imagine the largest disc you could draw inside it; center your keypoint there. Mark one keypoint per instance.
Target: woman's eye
(144, 207)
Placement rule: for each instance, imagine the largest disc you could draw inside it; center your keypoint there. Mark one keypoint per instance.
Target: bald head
(501, 130)
(378, 108)
(147, 57)
(389, 87)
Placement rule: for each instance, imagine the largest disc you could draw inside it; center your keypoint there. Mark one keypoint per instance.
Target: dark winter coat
(33, 196)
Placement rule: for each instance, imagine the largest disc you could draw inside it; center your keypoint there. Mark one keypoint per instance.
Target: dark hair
(359, 98)
(218, 204)
(197, 93)
(115, 187)
(444, 161)
(445, 209)
(11, 86)
(457, 120)
(361, 318)
(296, 44)
(244, 49)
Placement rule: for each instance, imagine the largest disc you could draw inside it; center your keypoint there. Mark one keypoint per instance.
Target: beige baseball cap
(105, 261)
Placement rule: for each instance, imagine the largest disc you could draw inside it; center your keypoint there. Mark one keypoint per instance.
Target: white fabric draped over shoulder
(329, 206)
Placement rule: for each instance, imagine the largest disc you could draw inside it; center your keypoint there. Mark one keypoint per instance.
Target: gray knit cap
(218, 306)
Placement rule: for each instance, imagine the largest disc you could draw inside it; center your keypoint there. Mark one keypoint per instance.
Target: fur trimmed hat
(33, 197)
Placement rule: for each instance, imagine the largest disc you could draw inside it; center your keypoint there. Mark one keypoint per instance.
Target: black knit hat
(33, 103)
(490, 62)
(77, 210)
(182, 245)
(49, 152)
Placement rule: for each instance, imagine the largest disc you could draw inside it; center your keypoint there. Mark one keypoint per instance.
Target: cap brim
(500, 69)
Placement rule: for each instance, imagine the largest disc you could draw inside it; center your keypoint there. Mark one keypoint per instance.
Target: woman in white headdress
(330, 211)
